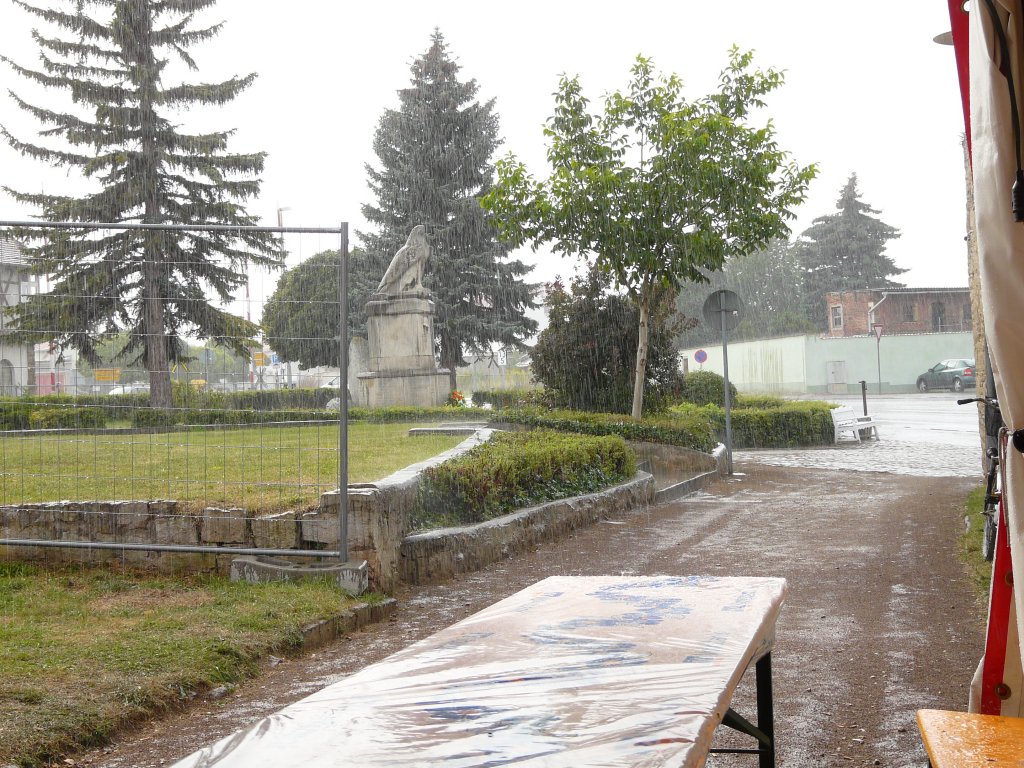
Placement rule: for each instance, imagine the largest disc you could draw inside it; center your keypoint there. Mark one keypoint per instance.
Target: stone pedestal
(401, 367)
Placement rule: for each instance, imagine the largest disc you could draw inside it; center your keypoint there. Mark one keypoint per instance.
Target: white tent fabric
(1001, 250)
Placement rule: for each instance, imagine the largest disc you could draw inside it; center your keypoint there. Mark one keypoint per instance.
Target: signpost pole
(878, 352)
(725, 372)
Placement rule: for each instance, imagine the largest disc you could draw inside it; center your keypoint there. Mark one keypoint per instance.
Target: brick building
(898, 311)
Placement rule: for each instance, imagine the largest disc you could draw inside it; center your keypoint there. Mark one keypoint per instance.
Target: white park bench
(846, 421)
(572, 671)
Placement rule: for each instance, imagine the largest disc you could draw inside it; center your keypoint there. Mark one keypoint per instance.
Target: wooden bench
(845, 420)
(964, 740)
(569, 672)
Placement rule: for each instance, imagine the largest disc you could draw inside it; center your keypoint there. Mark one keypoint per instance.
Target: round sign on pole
(719, 303)
(700, 356)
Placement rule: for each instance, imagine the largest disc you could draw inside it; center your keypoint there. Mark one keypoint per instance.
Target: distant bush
(508, 398)
(67, 418)
(705, 388)
(516, 470)
(57, 412)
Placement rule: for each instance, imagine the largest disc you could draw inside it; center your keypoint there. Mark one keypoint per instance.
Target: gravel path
(879, 621)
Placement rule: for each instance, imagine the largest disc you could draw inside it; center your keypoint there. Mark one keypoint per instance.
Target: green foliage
(508, 398)
(657, 190)
(434, 154)
(36, 413)
(793, 424)
(520, 469)
(123, 135)
(770, 284)
(844, 251)
(302, 316)
(586, 356)
(67, 418)
(705, 387)
(689, 430)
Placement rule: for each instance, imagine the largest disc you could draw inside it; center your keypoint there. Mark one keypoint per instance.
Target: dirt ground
(879, 620)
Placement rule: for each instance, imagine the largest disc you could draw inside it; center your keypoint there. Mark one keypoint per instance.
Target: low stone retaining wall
(434, 556)
(377, 525)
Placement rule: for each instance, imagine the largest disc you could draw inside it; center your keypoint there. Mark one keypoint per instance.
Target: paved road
(920, 434)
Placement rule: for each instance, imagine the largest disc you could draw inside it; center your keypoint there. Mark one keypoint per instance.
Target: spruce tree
(434, 154)
(845, 251)
(158, 286)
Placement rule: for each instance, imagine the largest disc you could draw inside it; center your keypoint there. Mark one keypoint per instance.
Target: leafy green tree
(769, 282)
(586, 355)
(845, 251)
(302, 317)
(157, 286)
(658, 190)
(434, 154)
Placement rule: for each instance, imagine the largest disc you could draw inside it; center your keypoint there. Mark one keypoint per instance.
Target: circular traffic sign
(700, 356)
(723, 303)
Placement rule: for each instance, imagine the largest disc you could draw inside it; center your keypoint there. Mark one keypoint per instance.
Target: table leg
(765, 711)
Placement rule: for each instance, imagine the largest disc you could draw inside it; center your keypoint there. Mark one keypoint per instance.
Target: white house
(17, 366)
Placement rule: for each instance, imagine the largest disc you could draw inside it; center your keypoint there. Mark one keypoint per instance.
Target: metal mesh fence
(228, 444)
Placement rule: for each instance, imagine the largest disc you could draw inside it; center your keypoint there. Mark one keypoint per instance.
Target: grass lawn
(84, 650)
(978, 568)
(263, 468)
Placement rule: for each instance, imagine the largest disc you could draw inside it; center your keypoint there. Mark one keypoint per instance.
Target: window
(837, 317)
(909, 313)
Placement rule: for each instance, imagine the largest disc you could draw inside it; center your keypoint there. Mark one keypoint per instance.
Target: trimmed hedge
(792, 424)
(35, 414)
(508, 398)
(519, 469)
(152, 417)
(689, 430)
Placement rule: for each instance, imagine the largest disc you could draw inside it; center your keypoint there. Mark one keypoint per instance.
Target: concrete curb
(433, 556)
(323, 632)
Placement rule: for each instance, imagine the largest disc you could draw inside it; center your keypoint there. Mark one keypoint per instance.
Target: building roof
(11, 253)
(922, 290)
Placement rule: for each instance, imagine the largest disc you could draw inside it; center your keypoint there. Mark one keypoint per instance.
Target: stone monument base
(420, 389)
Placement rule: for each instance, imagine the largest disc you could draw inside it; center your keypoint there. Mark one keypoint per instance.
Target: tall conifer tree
(845, 251)
(435, 164)
(157, 285)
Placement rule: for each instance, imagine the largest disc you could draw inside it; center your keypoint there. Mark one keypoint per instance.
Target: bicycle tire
(988, 536)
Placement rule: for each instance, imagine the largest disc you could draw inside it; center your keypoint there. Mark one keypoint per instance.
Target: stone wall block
(317, 528)
(225, 526)
(175, 529)
(280, 531)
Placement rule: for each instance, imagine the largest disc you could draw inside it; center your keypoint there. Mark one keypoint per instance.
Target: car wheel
(921, 385)
(958, 386)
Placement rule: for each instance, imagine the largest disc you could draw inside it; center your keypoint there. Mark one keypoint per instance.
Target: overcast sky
(867, 91)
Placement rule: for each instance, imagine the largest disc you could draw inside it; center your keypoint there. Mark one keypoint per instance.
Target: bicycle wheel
(988, 535)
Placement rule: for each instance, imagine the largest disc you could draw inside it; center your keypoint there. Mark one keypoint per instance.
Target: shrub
(789, 425)
(508, 398)
(705, 388)
(67, 418)
(586, 357)
(689, 430)
(519, 469)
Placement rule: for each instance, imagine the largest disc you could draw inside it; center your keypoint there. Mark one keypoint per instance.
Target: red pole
(958, 19)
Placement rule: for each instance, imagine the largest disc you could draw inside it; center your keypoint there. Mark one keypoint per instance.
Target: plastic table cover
(571, 671)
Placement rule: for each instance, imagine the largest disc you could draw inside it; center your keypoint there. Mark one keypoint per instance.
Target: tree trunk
(641, 355)
(153, 293)
(153, 325)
